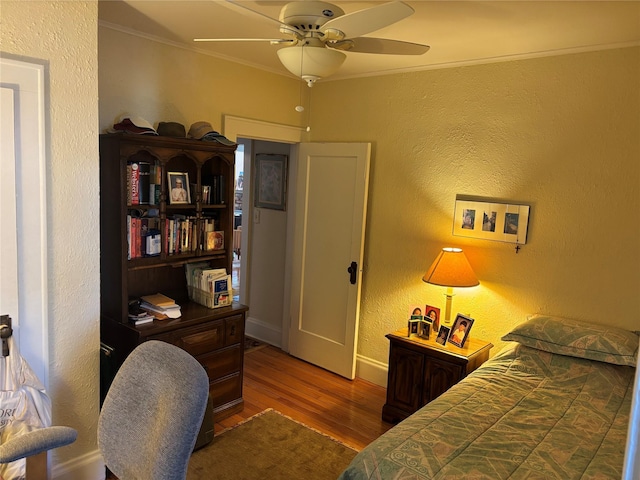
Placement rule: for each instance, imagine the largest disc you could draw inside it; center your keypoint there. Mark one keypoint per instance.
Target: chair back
(152, 413)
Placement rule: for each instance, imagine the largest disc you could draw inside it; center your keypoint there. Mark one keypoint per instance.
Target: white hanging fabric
(24, 405)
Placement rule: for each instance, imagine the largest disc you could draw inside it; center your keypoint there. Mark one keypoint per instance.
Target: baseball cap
(171, 129)
(133, 124)
(205, 132)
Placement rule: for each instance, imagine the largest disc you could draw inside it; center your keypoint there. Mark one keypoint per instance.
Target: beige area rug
(270, 446)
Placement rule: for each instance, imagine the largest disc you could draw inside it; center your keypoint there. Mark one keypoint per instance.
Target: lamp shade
(451, 269)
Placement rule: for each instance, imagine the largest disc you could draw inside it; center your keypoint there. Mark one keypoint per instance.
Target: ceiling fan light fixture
(311, 63)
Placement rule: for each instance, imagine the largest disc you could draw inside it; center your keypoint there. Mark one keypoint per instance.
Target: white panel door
(23, 293)
(8, 226)
(331, 203)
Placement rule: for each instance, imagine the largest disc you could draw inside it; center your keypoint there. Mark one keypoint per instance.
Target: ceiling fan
(318, 32)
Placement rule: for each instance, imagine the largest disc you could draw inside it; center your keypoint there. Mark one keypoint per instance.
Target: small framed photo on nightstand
(413, 327)
(443, 335)
(416, 315)
(460, 330)
(416, 312)
(424, 329)
(432, 314)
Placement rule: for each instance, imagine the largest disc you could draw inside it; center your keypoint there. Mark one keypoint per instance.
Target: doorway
(259, 249)
(237, 222)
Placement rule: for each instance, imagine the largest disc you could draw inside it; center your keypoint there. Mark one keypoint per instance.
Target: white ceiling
(459, 32)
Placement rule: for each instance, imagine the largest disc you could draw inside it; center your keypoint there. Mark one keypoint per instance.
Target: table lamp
(451, 269)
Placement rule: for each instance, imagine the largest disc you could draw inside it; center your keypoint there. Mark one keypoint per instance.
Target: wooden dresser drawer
(234, 331)
(226, 390)
(201, 339)
(222, 363)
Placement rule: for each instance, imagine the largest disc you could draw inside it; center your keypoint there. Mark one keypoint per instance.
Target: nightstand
(420, 370)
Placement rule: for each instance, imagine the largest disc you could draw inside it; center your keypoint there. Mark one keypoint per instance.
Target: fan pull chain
(309, 111)
(299, 107)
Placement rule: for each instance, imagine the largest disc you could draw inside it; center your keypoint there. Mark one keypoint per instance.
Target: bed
(553, 405)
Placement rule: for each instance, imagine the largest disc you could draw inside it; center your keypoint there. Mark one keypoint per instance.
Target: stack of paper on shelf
(160, 306)
(208, 286)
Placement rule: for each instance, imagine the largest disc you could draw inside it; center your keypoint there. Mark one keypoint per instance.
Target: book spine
(128, 237)
(184, 245)
(194, 237)
(216, 189)
(144, 231)
(178, 229)
(144, 180)
(135, 184)
(166, 235)
(134, 236)
(129, 183)
(222, 190)
(170, 237)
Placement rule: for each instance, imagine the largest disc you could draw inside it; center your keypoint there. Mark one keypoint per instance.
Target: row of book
(182, 236)
(208, 286)
(144, 182)
(144, 237)
(215, 194)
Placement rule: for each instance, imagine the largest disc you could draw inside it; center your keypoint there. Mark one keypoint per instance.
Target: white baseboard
(263, 331)
(372, 370)
(89, 466)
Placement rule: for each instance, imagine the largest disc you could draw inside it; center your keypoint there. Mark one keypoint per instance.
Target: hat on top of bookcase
(204, 131)
(133, 124)
(171, 129)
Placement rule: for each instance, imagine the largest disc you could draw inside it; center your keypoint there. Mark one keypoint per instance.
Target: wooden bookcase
(214, 336)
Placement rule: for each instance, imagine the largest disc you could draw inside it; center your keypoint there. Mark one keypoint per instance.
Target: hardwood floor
(349, 411)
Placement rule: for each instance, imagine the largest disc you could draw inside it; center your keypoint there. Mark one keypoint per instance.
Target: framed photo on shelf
(460, 330)
(443, 335)
(270, 173)
(432, 314)
(424, 329)
(179, 188)
(413, 327)
(416, 313)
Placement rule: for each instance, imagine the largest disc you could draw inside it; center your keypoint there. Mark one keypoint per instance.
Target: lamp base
(447, 310)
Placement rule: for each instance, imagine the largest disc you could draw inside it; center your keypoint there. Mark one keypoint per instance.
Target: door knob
(353, 270)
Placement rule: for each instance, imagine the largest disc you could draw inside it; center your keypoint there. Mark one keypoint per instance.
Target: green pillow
(577, 339)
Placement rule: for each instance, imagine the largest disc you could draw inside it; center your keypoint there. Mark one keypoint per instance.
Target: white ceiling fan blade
(365, 21)
(278, 41)
(238, 6)
(381, 45)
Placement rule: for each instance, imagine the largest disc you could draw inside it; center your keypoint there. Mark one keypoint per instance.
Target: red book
(135, 183)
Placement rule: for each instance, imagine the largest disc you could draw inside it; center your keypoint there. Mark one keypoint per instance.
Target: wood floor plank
(348, 410)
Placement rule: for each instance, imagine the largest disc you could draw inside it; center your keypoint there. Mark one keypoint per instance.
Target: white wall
(64, 36)
(267, 261)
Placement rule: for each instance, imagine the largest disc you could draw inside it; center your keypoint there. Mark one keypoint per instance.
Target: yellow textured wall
(163, 83)
(561, 134)
(558, 133)
(65, 35)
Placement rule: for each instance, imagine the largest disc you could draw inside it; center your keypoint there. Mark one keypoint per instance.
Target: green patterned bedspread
(525, 414)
